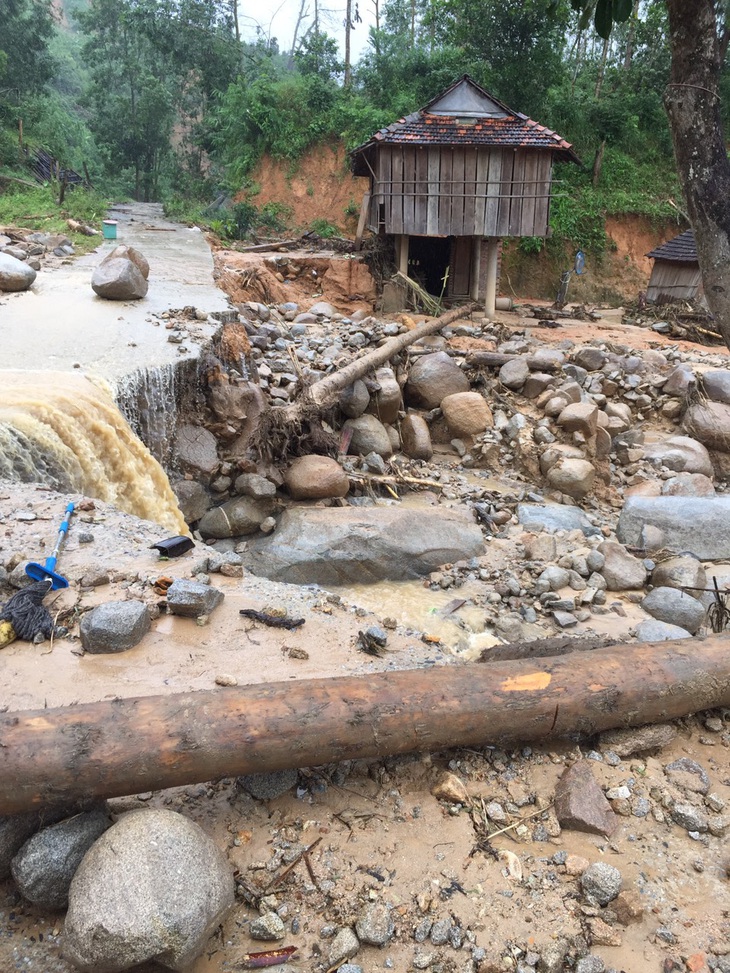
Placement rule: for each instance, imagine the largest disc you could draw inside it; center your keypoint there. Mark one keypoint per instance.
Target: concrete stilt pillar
(490, 297)
(476, 261)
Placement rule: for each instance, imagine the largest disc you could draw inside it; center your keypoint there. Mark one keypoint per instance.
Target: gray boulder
(416, 437)
(369, 435)
(432, 378)
(192, 498)
(682, 571)
(386, 401)
(15, 829)
(196, 448)
(354, 399)
(555, 516)
(621, 570)
(680, 453)
(153, 887)
(674, 607)
(191, 599)
(709, 422)
(15, 275)
(716, 383)
(653, 630)
(513, 374)
(688, 485)
(114, 627)
(47, 862)
(119, 279)
(235, 518)
(700, 526)
(129, 253)
(362, 544)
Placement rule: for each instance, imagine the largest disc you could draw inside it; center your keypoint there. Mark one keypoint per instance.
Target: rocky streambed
(532, 482)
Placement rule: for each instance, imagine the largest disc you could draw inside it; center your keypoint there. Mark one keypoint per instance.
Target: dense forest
(163, 100)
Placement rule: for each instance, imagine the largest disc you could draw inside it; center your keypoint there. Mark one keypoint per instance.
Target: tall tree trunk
(300, 17)
(348, 33)
(692, 102)
(602, 68)
(631, 36)
(598, 162)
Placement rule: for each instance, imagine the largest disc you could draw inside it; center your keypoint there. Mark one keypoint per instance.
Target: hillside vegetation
(161, 99)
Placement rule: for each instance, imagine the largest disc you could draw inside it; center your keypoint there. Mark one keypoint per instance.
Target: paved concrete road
(60, 324)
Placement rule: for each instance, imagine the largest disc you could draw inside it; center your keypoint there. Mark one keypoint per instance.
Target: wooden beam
(126, 746)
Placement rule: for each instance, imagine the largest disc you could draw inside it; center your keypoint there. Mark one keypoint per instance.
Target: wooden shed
(675, 275)
(449, 181)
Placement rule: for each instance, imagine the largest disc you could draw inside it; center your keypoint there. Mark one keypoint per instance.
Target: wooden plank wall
(673, 281)
(447, 191)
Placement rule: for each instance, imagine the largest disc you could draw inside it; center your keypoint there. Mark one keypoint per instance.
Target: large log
(126, 746)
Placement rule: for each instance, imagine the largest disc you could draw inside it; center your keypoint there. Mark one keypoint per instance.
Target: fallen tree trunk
(126, 746)
(325, 392)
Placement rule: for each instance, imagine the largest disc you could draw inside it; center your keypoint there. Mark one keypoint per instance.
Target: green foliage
(324, 229)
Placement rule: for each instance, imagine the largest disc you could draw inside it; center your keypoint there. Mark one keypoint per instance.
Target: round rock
(316, 478)
(601, 882)
(674, 607)
(153, 887)
(466, 414)
(369, 435)
(432, 378)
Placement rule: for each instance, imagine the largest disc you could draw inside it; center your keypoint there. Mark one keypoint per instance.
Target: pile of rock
(22, 254)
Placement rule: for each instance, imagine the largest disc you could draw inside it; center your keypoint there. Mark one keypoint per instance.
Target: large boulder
(432, 378)
(369, 435)
(386, 401)
(196, 448)
(119, 279)
(416, 437)
(553, 517)
(700, 526)
(362, 544)
(316, 478)
(466, 414)
(46, 864)
(674, 607)
(235, 518)
(572, 476)
(621, 570)
(716, 384)
(114, 626)
(15, 275)
(153, 887)
(680, 453)
(710, 423)
(130, 253)
(682, 571)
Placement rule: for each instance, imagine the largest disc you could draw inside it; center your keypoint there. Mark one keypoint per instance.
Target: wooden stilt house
(449, 181)
(675, 275)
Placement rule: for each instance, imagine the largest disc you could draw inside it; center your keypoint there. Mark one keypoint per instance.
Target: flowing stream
(62, 429)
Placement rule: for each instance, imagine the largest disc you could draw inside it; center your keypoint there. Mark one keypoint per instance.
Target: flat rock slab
(699, 526)
(555, 516)
(348, 545)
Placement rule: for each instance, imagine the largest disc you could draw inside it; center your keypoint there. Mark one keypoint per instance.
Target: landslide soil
(380, 833)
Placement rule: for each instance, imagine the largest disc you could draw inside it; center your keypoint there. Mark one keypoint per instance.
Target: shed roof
(681, 249)
(466, 114)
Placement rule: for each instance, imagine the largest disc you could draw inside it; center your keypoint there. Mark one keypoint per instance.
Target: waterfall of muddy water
(148, 400)
(60, 429)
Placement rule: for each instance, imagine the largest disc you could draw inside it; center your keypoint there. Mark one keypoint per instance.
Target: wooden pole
(126, 746)
(490, 295)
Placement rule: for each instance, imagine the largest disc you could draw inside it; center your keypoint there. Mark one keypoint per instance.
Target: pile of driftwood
(684, 320)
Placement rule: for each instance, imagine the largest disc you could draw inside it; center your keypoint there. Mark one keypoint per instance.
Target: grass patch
(38, 209)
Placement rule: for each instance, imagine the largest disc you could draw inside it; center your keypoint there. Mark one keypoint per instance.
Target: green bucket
(109, 229)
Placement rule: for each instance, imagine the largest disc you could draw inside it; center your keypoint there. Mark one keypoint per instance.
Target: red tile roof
(515, 131)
